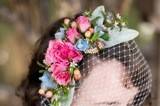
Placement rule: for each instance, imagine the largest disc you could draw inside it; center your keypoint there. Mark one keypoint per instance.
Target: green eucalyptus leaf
(98, 12)
(105, 36)
(94, 21)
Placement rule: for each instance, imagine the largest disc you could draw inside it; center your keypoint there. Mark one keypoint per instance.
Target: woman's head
(105, 85)
(120, 69)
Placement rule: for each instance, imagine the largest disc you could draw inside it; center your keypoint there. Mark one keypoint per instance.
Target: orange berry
(49, 94)
(74, 24)
(77, 74)
(91, 30)
(66, 21)
(41, 91)
(88, 34)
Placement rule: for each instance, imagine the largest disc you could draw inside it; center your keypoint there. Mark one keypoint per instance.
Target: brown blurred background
(23, 21)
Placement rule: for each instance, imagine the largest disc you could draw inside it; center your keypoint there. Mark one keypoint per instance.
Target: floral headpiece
(87, 34)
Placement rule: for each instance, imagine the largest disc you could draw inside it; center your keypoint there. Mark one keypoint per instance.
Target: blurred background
(23, 21)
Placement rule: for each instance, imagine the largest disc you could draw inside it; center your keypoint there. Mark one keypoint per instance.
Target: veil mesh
(137, 70)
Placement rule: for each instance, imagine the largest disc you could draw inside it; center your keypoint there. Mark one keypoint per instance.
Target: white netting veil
(122, 77)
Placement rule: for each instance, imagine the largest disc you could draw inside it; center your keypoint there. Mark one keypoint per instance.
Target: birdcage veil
(137, 68)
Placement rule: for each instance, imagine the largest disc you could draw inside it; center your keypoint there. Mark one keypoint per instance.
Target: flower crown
(87, 34)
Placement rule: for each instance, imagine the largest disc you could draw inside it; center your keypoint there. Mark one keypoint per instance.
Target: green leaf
(42, 71)
(88, 13)
(105, 37)
(94, 21)
(72, 85)
(98, 13)
(65, 26)
(94, 37)
(71, 69)
(104, 14)
(41, 65)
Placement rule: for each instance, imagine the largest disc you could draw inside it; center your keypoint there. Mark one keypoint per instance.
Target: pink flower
(83, 23)
(72, 34)
(61, 77)
(62, 52)
(58, 67)
(49, 58)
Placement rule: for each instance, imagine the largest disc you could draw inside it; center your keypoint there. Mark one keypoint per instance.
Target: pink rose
(62, 52)
(49, 55)
(72, 34)
(73, 54)
(83, 23)
(49, 58)
(61, 77)
(59, 67)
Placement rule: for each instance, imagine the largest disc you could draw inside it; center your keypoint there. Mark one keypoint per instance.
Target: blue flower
(60, 34)
(82, 44)
(47, 81)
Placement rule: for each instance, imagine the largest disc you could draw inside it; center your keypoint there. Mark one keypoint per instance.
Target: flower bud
(91, 30)
(88, 34)
(74, 24)
(118, 16)
(66, 21)
(49, 94)
(41, 91)
(100, 45)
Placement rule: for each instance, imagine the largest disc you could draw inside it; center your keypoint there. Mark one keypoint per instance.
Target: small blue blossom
(82, 44)
(47, 81)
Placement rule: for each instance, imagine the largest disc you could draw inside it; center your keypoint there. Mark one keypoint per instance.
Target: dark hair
(30, 85)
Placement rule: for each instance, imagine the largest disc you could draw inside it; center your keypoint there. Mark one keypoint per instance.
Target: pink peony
(61, 77)
(72, 34)
(62, 52)
(83, 23)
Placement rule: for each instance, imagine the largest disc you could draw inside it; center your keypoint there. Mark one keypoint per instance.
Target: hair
(30, 85)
